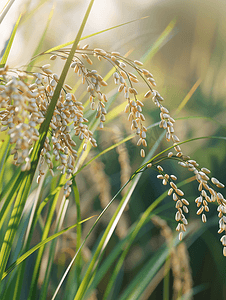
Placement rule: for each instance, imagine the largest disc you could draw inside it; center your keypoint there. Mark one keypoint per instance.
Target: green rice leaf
(34, 10)
(79, 230)
(23, 187)
(48, 223)
(38, 49)
(189, 95)
(160, 41)
(91, 35)
(60, 217)
(8, 48)
(39, 245)
(5, 9)
(11, 188)
(4, 153)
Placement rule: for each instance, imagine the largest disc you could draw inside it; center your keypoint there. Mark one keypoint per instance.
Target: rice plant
(52, 136)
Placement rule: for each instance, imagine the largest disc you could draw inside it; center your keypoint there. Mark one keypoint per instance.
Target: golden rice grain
(123, 74)
(135, 80)
(173, 185)
(173, 177)
(142, 153)
(170, 154)
(220, 185)
(200, 210)
(115, 53)
(170, 191)
(148, 94)
(160, 168)
(175, 197)
(180, 236)
(177, 216)
(137, 62)
(214, 180)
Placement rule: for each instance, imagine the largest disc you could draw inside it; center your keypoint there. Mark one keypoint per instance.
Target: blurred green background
(194, 51)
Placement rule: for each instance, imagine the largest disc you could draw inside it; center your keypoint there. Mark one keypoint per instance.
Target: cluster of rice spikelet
(25, 97)
(206, 185)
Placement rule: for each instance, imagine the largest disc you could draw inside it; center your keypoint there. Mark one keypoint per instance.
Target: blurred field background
(194, 53)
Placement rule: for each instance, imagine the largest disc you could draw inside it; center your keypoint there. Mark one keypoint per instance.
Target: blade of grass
(38, 49)
(10, 185)
(34, 217)
(143, 220)
(9, 45)
(4, 153)
(60, 218)
(93, 34)
(33, 11)
(79, 231)
(166, 279)
(13, 187)
(41, 244)
(188, 96)
(104, 268)
(34, 281)
(26, 243)
(160, 41)
(180, 143)
(14, 221)
(6, 9)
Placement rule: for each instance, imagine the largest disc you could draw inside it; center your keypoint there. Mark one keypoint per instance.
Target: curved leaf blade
(8, 48)
(39, 245)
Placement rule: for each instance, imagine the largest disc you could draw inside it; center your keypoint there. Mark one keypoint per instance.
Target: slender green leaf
(38, 49)
(39, 245)
(180, 143)
(61, 215)
(79, 230)
(4, 152)
(48, 224)
(160, 41)
(8, 48)
(34, 10)
(6, 9)
(189, 95)
(143, 220)
(26, 243)
(91, 35)
(14, 220)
